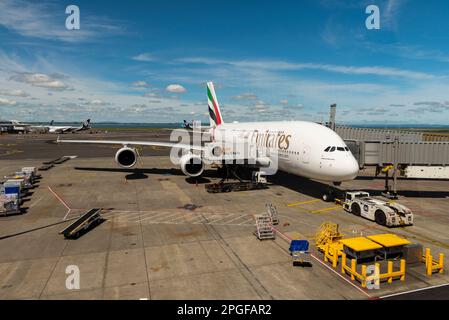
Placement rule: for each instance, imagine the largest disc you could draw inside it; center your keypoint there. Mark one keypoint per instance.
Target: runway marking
(170, 217)
(243, 215)
(68, 212)
(248, 220)
(324, 210)
(412, 291)
(59, 198)
(302, 202)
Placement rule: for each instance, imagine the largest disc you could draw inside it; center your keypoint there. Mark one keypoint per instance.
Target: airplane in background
(15, 126)
(302, 148)
(66, 129)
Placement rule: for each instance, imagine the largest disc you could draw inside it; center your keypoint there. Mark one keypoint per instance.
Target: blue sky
(147, 61)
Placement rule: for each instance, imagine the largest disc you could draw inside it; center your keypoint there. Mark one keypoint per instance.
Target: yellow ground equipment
(327, 234)
(432, 265)
(360, 247)
(377, 276)
(391, 243)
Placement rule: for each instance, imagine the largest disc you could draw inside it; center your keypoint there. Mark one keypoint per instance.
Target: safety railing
(433, 265)
(331, 253)
(377, 276)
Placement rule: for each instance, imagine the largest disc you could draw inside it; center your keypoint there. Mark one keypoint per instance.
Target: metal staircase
(273, 213)
(264, 229)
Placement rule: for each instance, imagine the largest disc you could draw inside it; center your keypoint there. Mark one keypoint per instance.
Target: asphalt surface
(40, 146)
(436, 293)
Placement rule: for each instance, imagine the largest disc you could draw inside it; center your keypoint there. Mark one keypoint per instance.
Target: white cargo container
(426, 172)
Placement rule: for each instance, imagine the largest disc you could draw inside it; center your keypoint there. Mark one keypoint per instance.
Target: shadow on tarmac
(302, 185)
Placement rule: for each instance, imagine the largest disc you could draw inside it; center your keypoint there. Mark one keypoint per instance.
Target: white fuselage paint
(299, 145)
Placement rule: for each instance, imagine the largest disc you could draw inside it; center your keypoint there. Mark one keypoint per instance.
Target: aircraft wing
(136, 143)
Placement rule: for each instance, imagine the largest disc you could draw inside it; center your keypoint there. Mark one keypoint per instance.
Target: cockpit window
(340, 149)
(327, 149)
(346, 148)
(332, 149)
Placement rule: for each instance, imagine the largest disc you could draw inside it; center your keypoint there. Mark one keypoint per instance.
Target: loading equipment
(82, 224)
(257, 182)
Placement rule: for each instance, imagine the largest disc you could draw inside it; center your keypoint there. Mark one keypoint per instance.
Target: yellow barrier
(331, 253)
(431, 264)
(377, 276)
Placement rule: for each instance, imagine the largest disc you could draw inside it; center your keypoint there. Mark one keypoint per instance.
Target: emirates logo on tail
(214, 108)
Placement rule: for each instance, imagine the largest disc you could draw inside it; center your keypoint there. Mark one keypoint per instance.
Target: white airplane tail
(214, 108)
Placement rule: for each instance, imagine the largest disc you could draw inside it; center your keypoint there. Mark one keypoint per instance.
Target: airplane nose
(350, 170)
(353, 168)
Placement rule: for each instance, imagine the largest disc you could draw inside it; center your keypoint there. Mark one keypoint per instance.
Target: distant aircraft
(15, 126)
(302, 148)
(65, 129)
(186, 125)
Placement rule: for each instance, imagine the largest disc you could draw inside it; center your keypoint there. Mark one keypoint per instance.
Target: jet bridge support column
(332, 113)
(392, 194)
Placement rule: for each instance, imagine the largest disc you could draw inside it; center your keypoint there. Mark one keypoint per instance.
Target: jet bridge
(405, 153)
(409, 154)
(409, 159)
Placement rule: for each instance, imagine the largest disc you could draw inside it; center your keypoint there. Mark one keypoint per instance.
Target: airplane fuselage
(300, 147)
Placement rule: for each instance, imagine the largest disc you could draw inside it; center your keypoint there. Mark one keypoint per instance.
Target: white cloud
(14, 93)
(7, 102)
(283, 101)
(47, 21)
(144, 57)
(245, 96)
(40, 80)
(279, 65)
(97, 102)
(140, 84)
(175, 88)
(391, 12)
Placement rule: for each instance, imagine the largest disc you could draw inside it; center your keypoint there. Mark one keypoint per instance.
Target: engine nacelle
(191, 165)
(126, 157)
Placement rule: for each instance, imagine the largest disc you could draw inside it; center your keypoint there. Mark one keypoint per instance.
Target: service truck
(385, 213)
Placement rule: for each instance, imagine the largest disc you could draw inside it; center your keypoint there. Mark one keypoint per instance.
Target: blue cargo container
(12, 189)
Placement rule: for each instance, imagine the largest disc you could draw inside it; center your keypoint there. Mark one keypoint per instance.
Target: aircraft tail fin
(214, 108)
(86, 124)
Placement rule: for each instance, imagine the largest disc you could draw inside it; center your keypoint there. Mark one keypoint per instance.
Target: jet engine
(126, 157)
(191, 165)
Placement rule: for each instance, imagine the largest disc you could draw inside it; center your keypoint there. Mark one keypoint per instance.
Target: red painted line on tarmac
(317, 259)
(59, 198)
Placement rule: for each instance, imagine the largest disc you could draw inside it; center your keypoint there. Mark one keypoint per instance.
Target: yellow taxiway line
(303, 202)
(325, 209)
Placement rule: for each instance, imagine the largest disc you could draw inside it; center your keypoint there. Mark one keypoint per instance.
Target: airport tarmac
(165, 237)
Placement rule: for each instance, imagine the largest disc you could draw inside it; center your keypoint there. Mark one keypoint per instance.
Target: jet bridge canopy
(412, 153)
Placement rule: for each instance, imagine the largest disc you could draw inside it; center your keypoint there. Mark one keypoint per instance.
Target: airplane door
(306, 154)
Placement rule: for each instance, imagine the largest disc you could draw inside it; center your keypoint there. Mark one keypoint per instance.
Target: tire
(327, 197)
(355, 209)
(380, 218)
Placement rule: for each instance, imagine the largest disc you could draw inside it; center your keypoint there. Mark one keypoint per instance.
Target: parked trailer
(385, 213)
(9, 204)
(32, 171)
(28, 180)
(14, 186)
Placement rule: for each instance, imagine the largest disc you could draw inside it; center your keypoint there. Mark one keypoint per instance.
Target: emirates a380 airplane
(302, 148)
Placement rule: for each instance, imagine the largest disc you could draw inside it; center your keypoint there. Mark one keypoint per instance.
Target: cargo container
(9, 204)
